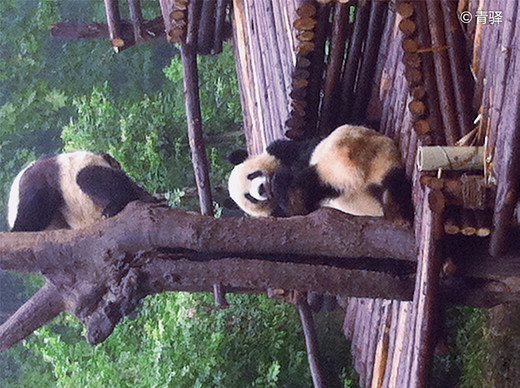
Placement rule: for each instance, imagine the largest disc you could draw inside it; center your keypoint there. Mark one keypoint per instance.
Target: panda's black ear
(228, 203)
(237, 156)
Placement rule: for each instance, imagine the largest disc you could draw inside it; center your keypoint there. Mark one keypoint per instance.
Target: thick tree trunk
(101, 273)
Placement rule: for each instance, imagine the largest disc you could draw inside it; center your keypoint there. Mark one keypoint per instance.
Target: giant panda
(355, 170)
(70, 191)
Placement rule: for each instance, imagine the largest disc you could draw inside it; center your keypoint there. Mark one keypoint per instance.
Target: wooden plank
(425, 298)
(381, 351)
(359, 362)
(395, 308)
(350, 318)
(372, 339)
(245, 76)
(506, 155)
(398, 373)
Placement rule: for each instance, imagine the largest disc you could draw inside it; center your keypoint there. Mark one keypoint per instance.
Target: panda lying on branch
(355, 169)
(70, 191)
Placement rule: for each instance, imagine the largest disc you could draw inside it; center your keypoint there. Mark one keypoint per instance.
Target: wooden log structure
(153, 30)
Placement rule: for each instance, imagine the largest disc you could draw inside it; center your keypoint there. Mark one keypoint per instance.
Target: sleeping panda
(355, 169)
(70, 191)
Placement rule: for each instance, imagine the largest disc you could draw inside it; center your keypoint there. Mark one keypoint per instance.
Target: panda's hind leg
(111, 189)
(394, 194)
(38, 209)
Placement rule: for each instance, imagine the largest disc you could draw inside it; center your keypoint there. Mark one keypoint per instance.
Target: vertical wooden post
(311, 343)
(194, 117)
(507, 171)
(427, 279)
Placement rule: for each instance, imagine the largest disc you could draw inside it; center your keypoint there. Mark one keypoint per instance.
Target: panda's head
(250, 183)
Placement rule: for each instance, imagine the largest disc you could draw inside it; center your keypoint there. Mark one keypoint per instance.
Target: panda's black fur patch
(40, 195)
(394, 194)
(297, 186)
(110, 189)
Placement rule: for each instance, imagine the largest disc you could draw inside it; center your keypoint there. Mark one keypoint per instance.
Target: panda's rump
(78, 208)
(351, 158)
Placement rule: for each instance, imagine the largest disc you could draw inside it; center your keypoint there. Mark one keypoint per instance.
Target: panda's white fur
(78, 209)
(351, 160)
(14, 198)
(240, 184)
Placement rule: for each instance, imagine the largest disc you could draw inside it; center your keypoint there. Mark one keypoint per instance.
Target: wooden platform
(392, 340)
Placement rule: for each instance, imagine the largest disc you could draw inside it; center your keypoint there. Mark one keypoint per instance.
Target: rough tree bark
(101, 273)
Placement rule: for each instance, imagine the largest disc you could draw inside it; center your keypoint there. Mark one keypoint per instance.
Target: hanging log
(220, 25)
(463, 82)
(206, 30)
(352, 64)
(311, 343)
(136, 17)
(370, 53)
(435, 128)
(194, 118)
(113, 21)
(316, 66)
(328, 120)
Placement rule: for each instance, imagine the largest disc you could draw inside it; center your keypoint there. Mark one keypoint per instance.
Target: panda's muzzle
(260, 189)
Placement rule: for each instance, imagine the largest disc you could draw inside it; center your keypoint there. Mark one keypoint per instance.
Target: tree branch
(46, 304)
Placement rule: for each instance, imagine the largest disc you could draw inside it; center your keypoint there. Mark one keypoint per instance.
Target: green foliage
(463, 365)
(183, 340)
(41, 78)
(148, 134)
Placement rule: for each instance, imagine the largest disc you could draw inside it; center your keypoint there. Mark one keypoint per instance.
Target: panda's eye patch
(254, 175)
(250, 198)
